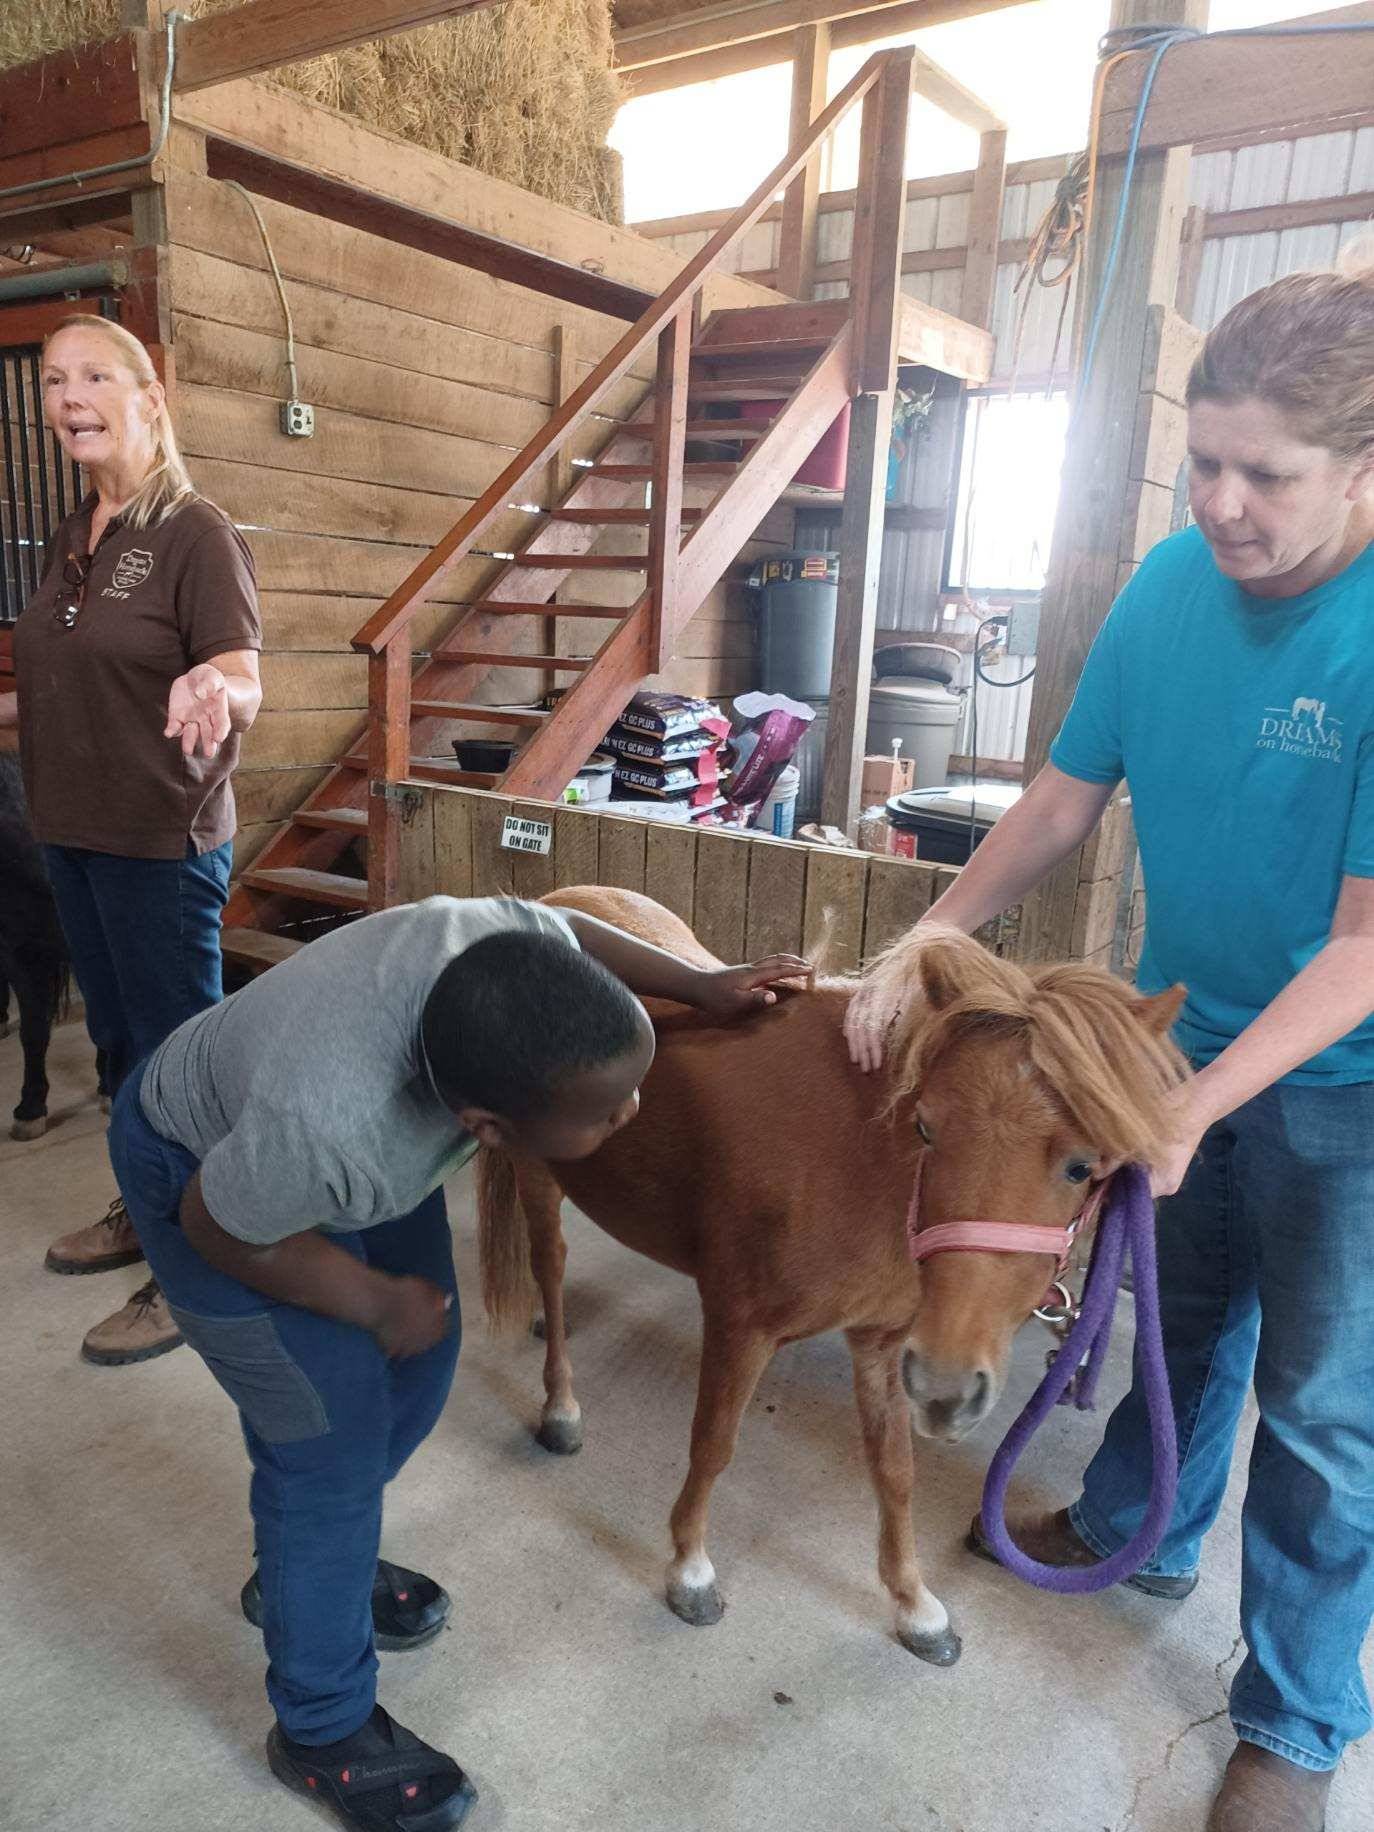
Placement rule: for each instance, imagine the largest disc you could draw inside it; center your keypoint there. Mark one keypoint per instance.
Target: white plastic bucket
(777, 813)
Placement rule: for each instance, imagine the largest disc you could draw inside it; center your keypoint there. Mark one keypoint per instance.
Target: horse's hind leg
(560, 1425)
(732, 1361)
(922, 1622)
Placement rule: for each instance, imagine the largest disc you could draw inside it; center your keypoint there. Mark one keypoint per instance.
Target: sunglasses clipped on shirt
(74, 575)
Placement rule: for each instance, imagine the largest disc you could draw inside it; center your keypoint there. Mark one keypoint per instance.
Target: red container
(826, 466)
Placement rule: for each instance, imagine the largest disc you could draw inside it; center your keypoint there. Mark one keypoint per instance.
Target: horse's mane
(1083, 1032)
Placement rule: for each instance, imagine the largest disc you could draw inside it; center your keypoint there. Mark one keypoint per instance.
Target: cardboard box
(884, 777)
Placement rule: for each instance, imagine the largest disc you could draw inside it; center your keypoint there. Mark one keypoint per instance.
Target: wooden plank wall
(425, 379)
(743, 896)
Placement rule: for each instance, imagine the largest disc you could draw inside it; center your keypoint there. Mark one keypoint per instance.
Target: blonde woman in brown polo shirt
(137, 669)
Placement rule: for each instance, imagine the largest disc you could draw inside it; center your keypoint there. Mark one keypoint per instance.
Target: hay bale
(525, 91)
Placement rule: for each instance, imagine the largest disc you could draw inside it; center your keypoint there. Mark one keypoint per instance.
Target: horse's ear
(1158, 1011)
(943, 967)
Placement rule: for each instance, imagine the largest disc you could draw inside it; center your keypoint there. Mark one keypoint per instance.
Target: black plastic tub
(488, 755)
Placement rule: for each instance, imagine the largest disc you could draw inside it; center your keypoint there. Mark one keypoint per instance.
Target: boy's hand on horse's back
(412, 1315)
(728, 992)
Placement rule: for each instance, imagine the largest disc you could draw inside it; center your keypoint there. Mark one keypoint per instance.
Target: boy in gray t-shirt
(282, 1158)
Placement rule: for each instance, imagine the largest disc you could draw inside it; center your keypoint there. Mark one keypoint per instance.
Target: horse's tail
(508, 1288)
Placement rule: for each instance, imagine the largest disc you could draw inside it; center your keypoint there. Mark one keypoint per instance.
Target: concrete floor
(131, 1692)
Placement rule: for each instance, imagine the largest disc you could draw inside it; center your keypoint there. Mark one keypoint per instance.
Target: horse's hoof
(700, 1608)
(29, 1129)
(562, 1436)
(940, 1650)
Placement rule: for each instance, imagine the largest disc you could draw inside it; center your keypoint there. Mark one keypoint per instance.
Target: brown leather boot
(141, 1329)
(107, 1243)
(1050, 1539)
(1263, 1792)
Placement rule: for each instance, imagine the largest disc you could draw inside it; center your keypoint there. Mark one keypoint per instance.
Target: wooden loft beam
(951, 97)
(1215, 88)
(262, 35)
(348, 203)
(723, 40)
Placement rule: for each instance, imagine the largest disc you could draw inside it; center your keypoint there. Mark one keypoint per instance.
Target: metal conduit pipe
(53, 282)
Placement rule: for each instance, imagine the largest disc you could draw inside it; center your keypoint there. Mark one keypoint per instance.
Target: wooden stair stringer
(596, 700)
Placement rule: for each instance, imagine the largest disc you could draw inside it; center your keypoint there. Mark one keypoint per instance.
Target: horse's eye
(1078, 1171)
(924, 1131)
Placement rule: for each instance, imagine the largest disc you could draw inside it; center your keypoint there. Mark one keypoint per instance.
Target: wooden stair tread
(524, 608)
(256, 947)
(710, 429)
(701, 467)
(331, 820)
(433, 769)
(573, 663)
(584, 562)
(476, 714)
(743, 388)
(313, 886)
(449, 770)
(614, 518)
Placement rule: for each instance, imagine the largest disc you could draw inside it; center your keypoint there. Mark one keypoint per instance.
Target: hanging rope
(1053, 258)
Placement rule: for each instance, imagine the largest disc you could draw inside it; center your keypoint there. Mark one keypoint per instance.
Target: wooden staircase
(339, 853)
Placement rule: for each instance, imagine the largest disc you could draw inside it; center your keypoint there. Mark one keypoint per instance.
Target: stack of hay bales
(525, 91)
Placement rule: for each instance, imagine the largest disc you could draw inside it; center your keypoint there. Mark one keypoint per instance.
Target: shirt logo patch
(1304, 729)
(132, 568)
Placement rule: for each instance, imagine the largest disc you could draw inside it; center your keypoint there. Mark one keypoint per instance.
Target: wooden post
(1096, 495)
(876, 272)
(797, 237)
(665, 504)
(875, 267)
(388, 765)
(985, 228)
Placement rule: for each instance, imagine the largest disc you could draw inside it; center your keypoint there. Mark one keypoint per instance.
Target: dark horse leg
(33, 993)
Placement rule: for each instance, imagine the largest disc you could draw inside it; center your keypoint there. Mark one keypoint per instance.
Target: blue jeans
(327, 1418)
(1266, 1261)
(143, 935)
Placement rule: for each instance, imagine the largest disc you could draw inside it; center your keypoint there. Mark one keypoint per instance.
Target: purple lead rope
(1128, 1219)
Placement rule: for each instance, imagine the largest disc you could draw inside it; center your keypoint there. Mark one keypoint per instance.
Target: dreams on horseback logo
(1304, 729)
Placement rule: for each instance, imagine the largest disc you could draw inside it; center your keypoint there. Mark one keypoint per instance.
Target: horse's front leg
(560, 1423)
(732, 1360)
(922, 1622)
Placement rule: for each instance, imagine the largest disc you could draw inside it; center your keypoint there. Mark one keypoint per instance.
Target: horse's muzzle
(946, 1402)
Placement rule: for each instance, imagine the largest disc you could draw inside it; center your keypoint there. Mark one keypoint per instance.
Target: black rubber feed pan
(486, 754)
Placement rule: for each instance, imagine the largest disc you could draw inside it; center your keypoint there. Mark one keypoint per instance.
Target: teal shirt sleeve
(1359, 837)
(1089, 745)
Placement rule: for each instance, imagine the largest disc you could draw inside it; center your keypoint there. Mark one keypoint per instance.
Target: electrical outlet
(297, 419)
(1023, 629)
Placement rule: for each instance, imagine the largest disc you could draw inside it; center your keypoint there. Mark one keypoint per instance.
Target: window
(1011, 455)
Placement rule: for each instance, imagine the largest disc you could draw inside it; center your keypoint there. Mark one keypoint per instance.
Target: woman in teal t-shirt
(1232, 687)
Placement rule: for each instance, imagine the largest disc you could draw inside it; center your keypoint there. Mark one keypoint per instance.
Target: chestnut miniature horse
(778, 1176)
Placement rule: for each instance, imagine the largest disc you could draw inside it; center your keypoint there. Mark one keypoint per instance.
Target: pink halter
(993, 1236)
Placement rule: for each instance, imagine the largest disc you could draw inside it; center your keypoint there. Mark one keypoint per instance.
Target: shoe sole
(123, 1358)
(459, 1804)
(384, 1644)
(76, 1268)
(1162, 1590)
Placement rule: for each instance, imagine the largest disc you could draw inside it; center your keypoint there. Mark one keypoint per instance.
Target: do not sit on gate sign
(519, 835)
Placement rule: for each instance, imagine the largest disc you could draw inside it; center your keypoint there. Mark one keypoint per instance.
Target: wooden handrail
(394, 617)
